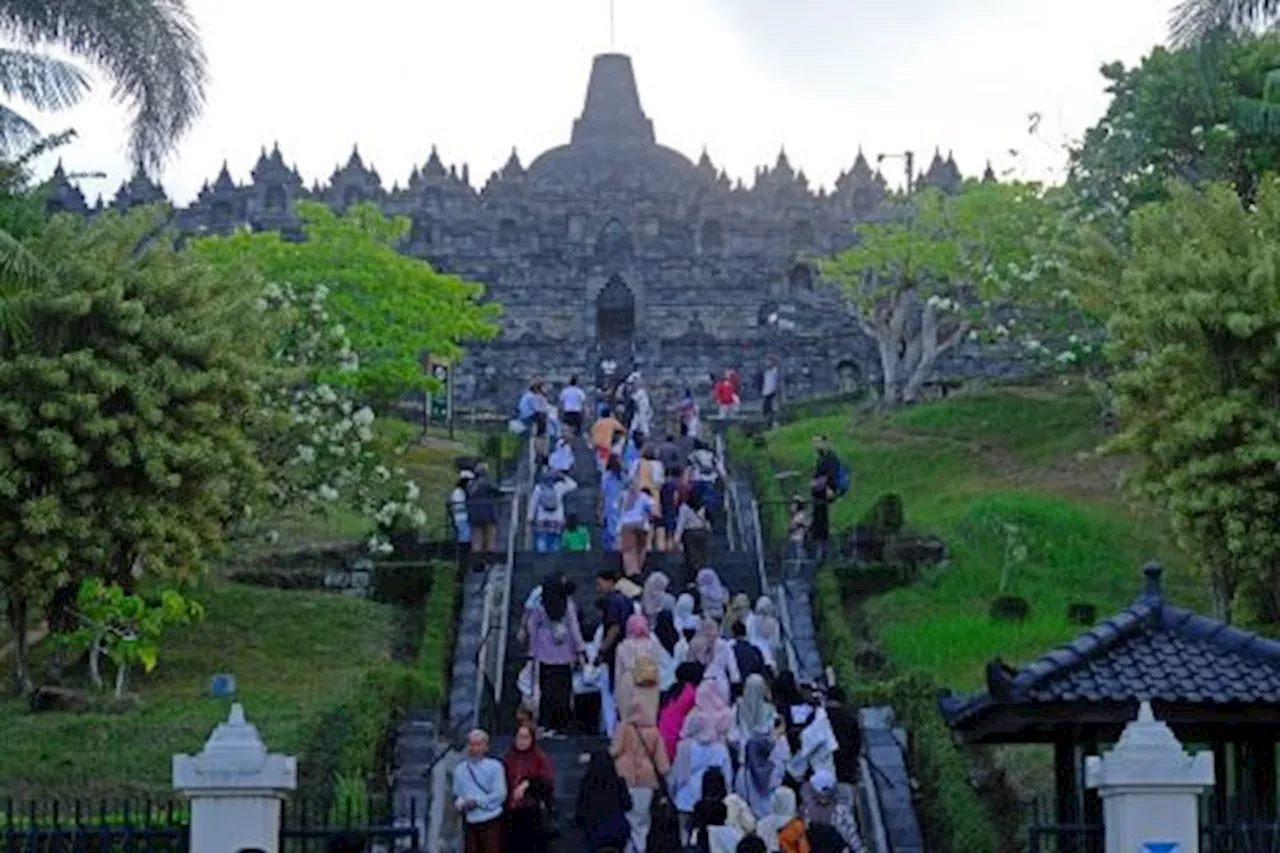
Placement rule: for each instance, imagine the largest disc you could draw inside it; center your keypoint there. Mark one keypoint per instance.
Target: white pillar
(235, 788)
(1149, 788)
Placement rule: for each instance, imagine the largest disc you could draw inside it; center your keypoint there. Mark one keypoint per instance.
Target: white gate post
(1149, 787)
(235, 788)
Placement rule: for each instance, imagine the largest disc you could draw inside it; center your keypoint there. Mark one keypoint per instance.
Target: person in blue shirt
(480, 791)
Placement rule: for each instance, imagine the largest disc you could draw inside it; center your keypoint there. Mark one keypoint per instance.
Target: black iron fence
(1221, 831)
(160, 826)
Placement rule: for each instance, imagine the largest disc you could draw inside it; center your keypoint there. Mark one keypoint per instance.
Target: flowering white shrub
(320, 446)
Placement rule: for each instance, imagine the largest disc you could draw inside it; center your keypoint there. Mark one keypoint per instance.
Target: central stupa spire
(612, 114)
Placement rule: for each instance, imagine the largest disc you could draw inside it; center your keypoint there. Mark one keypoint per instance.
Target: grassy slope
(967, 466)
(292, 653)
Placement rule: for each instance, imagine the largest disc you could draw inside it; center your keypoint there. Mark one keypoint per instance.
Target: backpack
(645, 672)
(548, 500)
(844, 479)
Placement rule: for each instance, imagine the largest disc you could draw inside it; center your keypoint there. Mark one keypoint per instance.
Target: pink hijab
(711, 717)
(671, 718)
(637, 627)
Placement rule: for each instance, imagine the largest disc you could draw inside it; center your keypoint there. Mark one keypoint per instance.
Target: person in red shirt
(726, 397)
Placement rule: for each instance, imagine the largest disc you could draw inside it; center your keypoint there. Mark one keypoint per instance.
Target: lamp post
(909, 157)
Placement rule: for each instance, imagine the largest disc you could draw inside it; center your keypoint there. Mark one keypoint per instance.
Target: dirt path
(1087, 476)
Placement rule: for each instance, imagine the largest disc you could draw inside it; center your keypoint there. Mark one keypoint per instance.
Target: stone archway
(615, 312)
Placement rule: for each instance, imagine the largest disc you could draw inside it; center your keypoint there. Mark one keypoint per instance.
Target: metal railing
(495, 615)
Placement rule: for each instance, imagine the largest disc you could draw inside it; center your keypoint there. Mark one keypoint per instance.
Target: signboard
(439, 404)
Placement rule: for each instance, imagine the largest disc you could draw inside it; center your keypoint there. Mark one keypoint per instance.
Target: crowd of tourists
(713, 745)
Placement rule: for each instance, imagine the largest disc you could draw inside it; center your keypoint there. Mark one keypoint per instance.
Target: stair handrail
(504, 615)
(499, 630)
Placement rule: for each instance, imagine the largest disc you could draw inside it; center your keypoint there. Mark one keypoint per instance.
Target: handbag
(664, 819)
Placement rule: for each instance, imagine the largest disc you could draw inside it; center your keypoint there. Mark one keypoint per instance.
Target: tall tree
(392, 307)
(949, 269)
(1195, 343)
(122, 415)
(149, 50)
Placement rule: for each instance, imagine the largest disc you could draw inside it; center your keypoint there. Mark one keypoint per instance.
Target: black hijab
(665, 630)
(555, 598)
(602, 794)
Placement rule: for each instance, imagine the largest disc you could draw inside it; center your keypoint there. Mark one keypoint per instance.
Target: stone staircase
(737, 570)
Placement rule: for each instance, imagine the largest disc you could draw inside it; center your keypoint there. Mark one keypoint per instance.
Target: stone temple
(610, 248)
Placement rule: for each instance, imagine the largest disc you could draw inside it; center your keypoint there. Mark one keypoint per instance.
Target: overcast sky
(742, 77)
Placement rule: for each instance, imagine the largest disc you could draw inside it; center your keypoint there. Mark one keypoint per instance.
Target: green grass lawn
(292, 653)
(966, 468)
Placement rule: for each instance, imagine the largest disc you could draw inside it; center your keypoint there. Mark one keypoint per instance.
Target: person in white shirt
(572, 402)
(642, 423)
(769, 390)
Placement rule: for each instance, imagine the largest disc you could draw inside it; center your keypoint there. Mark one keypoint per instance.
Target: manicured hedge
(351, 740)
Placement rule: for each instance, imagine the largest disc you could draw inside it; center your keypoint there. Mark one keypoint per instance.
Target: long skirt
(555, 700)
(638, 817)
(696, 545)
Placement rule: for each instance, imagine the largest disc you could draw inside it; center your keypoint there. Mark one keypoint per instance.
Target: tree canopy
(1195, 343)
(951, 268)
(1193, 115)
(122, 415)
(392, 307)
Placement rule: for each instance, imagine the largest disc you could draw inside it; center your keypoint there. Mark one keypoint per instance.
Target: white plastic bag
(527, 684)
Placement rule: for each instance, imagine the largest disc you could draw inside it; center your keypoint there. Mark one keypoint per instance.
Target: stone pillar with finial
(1149, 787)
(236, 788)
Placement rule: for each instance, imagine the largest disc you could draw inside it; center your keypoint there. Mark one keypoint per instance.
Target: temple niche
(701, 272)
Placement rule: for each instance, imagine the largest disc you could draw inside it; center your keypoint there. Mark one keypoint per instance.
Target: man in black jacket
(826, 476)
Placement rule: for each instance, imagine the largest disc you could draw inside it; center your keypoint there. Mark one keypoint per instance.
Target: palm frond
(42, 81)
(150, 50)
(15, 131)
(1192, 21)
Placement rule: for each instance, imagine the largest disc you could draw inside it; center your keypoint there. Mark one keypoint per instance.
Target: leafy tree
(1195, 342)
(392, 307)
(1194, 115)
(318, 445)
(125, 628)
(955, 268)
(122, 448)
(148, 49)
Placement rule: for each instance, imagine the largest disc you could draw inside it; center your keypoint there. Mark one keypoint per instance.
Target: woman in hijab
(711, 834)
(700, 749)
(636, 667)
(758, 773)
(709, 707)
(739, 608)
(716, 656)
(671, 718)
(603, 803)
(530, 791)
(713, 594)
(640, 758)
(655, 597)
(782, 831)
(822, 808)
(687, 622)
(716, 789)
(764, 631)
(753, 714)
(664, 631)
(555, 644)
